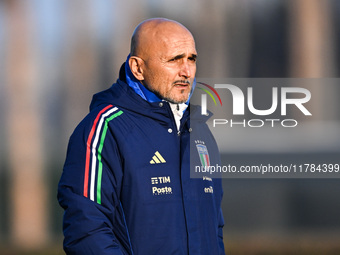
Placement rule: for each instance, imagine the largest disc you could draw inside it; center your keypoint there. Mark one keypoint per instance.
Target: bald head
(155, 32)
(163, 58)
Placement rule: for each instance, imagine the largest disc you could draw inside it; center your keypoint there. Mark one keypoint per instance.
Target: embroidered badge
(203, 154)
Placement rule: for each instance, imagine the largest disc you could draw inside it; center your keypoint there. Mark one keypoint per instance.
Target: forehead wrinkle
(177, 45)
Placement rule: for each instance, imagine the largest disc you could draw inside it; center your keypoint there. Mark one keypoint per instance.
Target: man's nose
(185, 70)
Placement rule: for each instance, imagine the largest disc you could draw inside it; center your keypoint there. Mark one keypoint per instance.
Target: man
(126, 186)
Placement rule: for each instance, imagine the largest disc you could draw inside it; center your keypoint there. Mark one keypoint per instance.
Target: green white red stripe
(95, 144)
(203, 154)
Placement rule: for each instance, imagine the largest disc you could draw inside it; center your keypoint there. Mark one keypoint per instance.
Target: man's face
(170, 67)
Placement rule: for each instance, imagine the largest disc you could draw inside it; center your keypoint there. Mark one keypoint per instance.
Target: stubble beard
(173, 99)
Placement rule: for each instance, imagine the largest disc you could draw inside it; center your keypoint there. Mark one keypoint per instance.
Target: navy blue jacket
(126, 186)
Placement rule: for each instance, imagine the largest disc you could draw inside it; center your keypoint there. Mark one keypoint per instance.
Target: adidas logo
(157, 158)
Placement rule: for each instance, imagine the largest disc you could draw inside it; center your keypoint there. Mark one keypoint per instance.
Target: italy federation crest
(203, 154)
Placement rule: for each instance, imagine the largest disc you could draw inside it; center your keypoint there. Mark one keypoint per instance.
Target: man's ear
(135, 64)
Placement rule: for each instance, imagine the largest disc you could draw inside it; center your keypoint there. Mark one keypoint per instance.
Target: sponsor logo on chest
(160, 180)
(163, 190)
(209, 189)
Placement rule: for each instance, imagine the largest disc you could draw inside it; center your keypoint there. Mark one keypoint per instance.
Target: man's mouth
(183, 84)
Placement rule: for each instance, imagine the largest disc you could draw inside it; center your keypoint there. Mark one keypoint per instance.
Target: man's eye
(174, 59)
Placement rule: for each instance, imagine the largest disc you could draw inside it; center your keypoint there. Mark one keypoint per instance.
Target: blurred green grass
(248, 246)
(45, 251)
(310, 246)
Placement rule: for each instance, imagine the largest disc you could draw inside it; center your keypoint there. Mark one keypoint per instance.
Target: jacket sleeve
(220, 232)
(88, 225)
